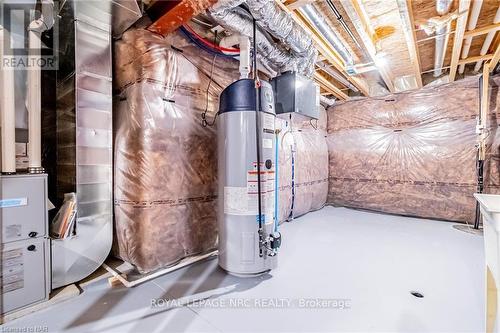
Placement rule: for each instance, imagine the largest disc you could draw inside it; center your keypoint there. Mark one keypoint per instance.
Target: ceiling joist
(483, 30)
(463, 7)
(405, 9)
(328, 86)
(363, 26)
(326, 51)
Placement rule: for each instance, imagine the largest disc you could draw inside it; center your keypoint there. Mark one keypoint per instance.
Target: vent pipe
(8, 111)
(319, 22)
(35, 29)
(442, 37)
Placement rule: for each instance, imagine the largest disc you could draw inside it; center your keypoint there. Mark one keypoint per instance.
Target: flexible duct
(442, 37)
(8, 111)
(280, 24)
(327, 102)
(487, 41)
(36, 27)
(272, 55)
(318, 21)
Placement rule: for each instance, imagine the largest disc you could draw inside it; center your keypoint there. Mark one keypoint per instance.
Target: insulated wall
(303, 164)
(411, 153)
(165, 160)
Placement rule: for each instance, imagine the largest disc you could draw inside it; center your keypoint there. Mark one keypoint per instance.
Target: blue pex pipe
(276, 186)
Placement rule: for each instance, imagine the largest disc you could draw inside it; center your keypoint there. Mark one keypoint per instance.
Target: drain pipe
(8, 111)
(476, 8)
(487, 41)
(442, 37)
(35, 29)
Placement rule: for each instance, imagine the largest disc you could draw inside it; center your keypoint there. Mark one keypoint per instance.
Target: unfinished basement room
(256, 166)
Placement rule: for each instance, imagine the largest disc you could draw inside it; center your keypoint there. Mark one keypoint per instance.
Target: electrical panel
(295, 93)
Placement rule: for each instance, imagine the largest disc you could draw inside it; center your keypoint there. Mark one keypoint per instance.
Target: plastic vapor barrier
(303, 164)
(165, 160)
(411, 153)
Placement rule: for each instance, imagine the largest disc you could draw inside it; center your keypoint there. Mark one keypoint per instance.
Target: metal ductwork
(311, 13)
(336, 75)
(83, 124)
(297, 53)
(442, 37)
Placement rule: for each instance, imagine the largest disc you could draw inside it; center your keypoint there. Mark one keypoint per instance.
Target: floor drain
(416, 294)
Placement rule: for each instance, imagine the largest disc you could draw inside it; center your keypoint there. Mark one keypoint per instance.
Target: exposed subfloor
(370, 261)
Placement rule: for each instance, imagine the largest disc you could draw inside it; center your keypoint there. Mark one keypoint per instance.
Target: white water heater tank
(243, 249)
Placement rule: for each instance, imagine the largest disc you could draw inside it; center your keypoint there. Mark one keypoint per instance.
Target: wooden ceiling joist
(175, 13)
(405, 9)
(483, 30)
(365, 30)
(326, 51)
(463, 7)
(494, 60)
(475, 59)
(299, 3)
(328, 86)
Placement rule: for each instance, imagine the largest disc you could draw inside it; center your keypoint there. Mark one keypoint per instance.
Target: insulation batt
(412, 153)
(165, 162)
(305, 141)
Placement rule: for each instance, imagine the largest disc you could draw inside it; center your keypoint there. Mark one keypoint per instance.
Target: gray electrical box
(25, 261)
(295, 93)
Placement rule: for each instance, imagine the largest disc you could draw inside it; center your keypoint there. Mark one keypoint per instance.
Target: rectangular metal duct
(84, 136)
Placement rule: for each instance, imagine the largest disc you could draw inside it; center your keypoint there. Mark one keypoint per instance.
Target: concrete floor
(369, 262)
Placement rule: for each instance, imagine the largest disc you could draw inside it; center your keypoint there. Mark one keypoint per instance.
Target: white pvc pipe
(34, 107)
(476, 9)
(184, 263)
(443, 36)
(8, 111)
(487, 42)
(45, 22)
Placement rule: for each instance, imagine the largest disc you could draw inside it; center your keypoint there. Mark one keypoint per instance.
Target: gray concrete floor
(369, 262)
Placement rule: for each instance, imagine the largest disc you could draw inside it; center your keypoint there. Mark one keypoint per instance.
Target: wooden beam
(463, 7)
(406, 12)
(494, 60)
(475, 59)
(327, 52)
(483, 111)
(299, 3)
(483, 30)
(175, 13)
(362, 23)
(328, 86)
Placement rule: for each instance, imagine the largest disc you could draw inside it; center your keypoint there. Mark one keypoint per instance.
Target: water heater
(246, 158)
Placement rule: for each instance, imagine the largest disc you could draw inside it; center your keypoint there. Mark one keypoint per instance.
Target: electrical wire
(204, 121)
(204, 47)
(210, 44)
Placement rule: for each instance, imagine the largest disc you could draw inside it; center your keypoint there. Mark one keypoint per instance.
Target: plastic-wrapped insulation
(412, 153)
